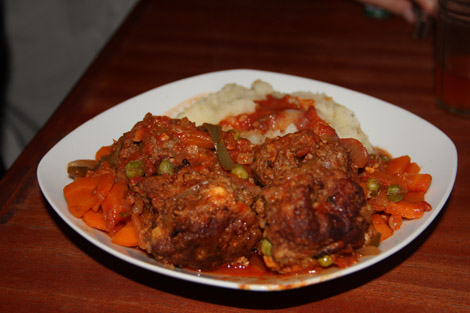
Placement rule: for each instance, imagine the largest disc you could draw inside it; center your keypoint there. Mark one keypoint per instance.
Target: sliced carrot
(106, 182)
(406, 209)
(398, 165)
(416, 182)
(105, 150)
(81, 196)
(412, 168)
(126, 236)
(94, 219)
(381, 226)
(414, 196)
(115, 204)
(377, 207)
(384, 178)
(395, 221)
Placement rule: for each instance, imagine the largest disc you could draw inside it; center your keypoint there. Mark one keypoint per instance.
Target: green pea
(135, 168)
(236, 134)
(373, 185)
(325, 261)
(395, 193)
(384, 158)
(165, 167)
(266, 247)
(240, 171)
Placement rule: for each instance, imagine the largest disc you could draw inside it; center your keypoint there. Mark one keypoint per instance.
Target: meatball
(282, 154)
(310, 206)
(313, 212)
(194, 214)
(203, 221)
(158, 138)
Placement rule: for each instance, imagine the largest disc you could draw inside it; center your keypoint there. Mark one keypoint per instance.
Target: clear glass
(452, 56)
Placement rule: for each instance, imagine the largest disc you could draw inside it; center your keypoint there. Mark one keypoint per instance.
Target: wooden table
(47, 267)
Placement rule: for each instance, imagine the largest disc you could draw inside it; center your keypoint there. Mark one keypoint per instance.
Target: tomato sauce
(277, 114)
(255, 268)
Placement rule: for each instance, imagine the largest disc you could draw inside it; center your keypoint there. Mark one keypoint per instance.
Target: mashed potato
(233, 100)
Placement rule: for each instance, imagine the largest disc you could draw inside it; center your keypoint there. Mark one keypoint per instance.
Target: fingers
(428, 6)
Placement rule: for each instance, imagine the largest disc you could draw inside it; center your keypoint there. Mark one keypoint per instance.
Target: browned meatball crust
(282, 154)
(310, 206)
(200, 219)
(313, 211)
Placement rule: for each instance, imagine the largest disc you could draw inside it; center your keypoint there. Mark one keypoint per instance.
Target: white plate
(390, 127)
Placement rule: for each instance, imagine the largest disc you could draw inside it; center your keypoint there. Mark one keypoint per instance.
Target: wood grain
(46, 267)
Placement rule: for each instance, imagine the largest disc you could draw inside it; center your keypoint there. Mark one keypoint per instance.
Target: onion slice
(356, 150)
(79, 168)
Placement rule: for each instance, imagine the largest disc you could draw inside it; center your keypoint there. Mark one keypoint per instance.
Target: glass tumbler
(452, 56)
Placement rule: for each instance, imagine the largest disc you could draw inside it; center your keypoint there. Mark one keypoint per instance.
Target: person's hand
(404, 8)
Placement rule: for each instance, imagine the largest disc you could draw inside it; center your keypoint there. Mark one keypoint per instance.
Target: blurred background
(45, 47)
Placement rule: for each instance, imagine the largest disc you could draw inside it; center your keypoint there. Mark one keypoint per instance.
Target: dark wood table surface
(46, 267)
